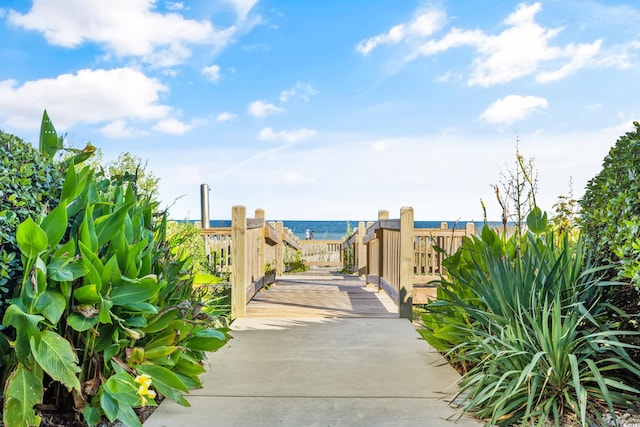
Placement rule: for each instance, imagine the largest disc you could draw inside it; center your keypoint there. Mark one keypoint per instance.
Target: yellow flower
(143, 390)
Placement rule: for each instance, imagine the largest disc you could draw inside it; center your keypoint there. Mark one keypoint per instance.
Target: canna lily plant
(106, 315)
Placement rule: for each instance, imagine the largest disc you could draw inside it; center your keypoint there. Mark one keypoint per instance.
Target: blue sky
(330, 109)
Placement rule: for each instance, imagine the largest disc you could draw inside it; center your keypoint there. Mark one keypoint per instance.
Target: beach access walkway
(321, 349)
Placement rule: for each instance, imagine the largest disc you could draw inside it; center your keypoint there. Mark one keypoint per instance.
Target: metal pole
(204, 205)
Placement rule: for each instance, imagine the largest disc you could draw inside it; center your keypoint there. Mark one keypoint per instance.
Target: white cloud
(423, 25)
(226, 117)
(513, 108)
(290, 136)
(303, 91)
(119, 129)
(175, 5)
(286, 94)
(172, 127)
(263, 109)
(242, 7)
(211, 72)
(125, 28)
(444, 77)
(523, 47)
(90, 96)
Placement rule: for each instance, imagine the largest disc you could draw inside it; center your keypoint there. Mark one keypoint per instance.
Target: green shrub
(610, 218)
(189, 237)
(525, 314)
(104, 316)
(29, 184)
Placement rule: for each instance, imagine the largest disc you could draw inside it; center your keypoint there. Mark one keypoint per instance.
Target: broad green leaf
(57, 358)
(537, 221)
(23, 391)
(206, 279)
(70, 186)
(92, 415)
(127, 415)
(142, 308)
(31, 238)
(55, 224)
(87, 233)
(105, 311)
(110, 351)
(160, 351)
(93, 275)
(108, 226)
(166, 382)
(51, 304)
(205, 340)
(190, 381)
(26, 326)
(161, 321)
(87, 294)
(136, 322)
(50, 143)
(65, 269)
(122, 388)
(109, 405)
(111, 272)
(140, 291)
(38, 282)
(80, 323)
(189, 367)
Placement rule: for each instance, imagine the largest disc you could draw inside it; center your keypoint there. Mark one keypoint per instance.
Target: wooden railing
(399, 259)
(321, 253)
(252, 250)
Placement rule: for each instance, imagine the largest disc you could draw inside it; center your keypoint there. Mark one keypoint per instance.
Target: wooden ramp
(321, 293)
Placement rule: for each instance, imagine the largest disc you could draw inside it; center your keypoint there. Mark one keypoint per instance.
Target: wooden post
(405, 305)
(280, 249)
(259, 214)
(470, 229)
(362, 250)
(239, 261)
(382, 215)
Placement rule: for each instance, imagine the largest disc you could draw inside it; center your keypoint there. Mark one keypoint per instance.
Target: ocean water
(336, 230)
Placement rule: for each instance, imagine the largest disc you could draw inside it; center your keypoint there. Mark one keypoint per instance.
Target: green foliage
(50, 142)
(29, 183)
(565, 218)
(610, 217)
(189, 238)
(129, 167)
(104, 314)
(525, 316)
(293, 262)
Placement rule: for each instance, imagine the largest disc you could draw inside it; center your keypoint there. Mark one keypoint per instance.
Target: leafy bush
(105, 316)
(525, 314)
(293, 262)
(610, 217)
(190, 239)
(29, 184)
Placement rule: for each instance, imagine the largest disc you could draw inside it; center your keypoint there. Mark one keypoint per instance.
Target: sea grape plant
(610, 217)
(29, 182)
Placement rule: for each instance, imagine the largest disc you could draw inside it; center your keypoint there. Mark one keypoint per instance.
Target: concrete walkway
(321, 371)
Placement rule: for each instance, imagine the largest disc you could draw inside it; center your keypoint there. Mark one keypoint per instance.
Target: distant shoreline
(337, 229)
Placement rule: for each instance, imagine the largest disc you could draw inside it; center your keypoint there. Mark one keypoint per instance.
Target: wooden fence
(399, 259)
(321, 253)
(252, 250)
